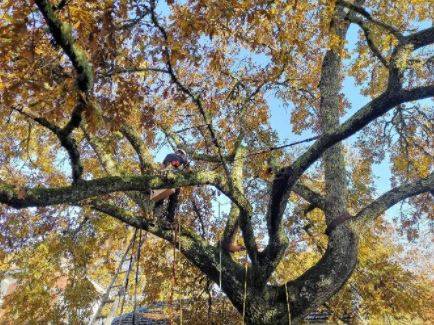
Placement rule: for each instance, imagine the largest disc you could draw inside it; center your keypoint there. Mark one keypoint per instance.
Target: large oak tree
(110, 82)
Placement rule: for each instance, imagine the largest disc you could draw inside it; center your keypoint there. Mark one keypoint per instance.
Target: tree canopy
(92, 91)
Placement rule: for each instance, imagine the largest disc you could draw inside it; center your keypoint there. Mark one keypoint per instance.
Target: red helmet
(175, 163)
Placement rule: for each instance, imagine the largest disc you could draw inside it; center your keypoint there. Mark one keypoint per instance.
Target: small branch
(195, 99)
(127, 70)
(62, 4)
(181, 144)
(366, 31)
(145, 158)
(362, 11)
(64, 136)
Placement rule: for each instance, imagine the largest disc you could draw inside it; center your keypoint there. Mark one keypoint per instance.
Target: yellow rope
(220, 253)
(172, 291)
(179, 248)
(245, 290)
(220, 265)
(287, 304)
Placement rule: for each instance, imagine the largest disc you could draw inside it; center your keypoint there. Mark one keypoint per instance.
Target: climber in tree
(172, 161)
(176, 159)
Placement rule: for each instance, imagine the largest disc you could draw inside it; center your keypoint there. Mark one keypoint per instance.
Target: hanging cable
(283, 146)
(269, 149)
(220, 265)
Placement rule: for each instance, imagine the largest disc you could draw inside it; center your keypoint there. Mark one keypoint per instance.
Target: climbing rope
(127, 276)
(245, 289)
(139, 247)
(287, 304)
(220, 265)
(172, 291)
(179, 248)
(220, 252)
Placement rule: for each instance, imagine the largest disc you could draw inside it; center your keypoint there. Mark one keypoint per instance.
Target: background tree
(101, 86)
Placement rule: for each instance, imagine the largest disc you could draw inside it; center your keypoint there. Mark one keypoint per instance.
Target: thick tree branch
(39, 196)
(314, 198)
(232, 222)
(392, 197)
(286, 177)
(120, 214)
(64, 136)
(62, 34)
(384, 202)
(195, 248)
(240, 216)
(420, 39)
